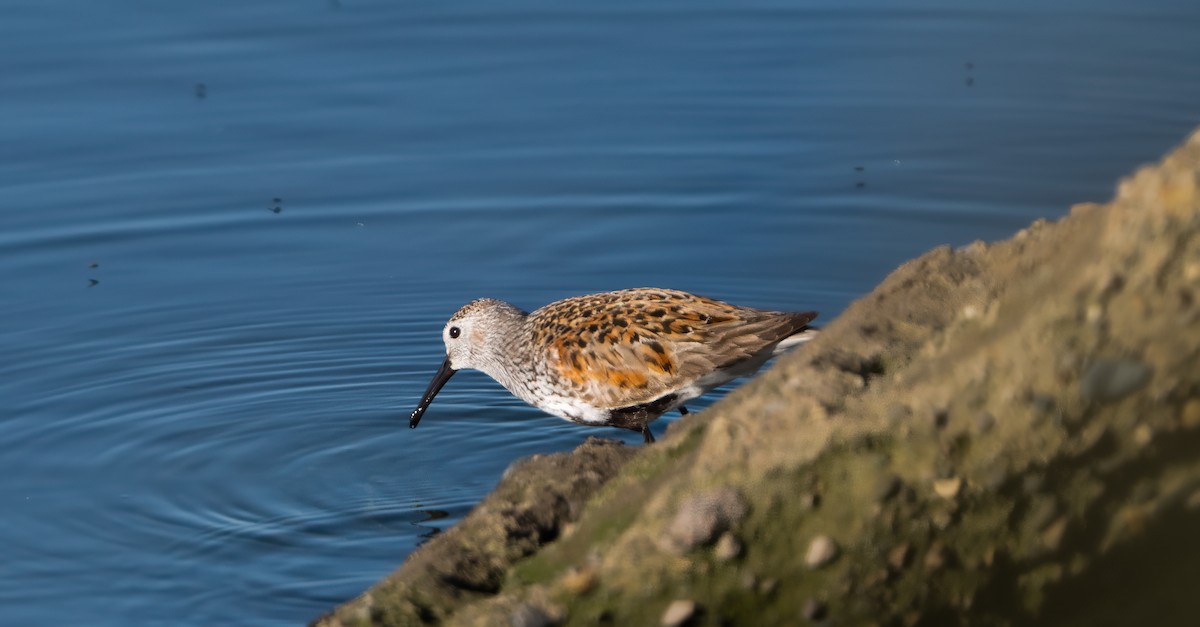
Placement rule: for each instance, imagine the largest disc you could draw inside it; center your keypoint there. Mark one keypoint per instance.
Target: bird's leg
(648, 438)
(683, 410)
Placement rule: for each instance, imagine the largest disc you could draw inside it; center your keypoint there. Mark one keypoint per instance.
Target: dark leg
(648, 437)
(683, 410)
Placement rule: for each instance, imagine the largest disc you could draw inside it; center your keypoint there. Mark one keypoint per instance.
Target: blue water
(231, 231)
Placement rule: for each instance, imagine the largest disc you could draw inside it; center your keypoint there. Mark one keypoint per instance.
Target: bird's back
(634, 347)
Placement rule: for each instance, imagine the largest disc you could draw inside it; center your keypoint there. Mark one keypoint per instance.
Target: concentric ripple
(231, 232)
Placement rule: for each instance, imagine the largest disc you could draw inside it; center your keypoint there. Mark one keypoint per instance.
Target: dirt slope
(1003, 434)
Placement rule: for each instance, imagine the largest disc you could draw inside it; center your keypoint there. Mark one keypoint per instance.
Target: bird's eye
(454, 332)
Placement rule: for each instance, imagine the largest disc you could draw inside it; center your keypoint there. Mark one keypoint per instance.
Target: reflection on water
(231, 233)
(431, 530)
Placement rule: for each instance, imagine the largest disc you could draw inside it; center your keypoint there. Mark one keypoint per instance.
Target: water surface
(230, 234)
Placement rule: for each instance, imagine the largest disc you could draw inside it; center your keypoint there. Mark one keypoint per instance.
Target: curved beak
(443, 375)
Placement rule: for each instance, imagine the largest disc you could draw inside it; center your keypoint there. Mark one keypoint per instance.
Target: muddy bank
(1006, 433)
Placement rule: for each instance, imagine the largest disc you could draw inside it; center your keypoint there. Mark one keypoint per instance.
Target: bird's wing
(631, 347)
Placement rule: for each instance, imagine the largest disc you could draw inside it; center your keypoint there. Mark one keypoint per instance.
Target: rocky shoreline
(1005, 433)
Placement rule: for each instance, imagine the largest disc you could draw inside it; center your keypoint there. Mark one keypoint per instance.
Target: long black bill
(443, 375)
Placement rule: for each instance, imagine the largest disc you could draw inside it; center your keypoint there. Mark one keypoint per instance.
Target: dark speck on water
(214, 438)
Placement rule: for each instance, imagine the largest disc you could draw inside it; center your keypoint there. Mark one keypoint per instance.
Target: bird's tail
(792, 341)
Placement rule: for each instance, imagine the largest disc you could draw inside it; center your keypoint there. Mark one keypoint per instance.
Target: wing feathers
(633, 346)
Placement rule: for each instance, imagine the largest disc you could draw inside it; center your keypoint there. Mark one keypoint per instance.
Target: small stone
(531, 615)
(821, 551)
(1191, 271)
(728, 547)
(1109, 380)
(935, 558)
(814, 610)
(678, 612)
(886, 486)
(1190, 417)
(898, 556)
(767, 586)
(1053, 534)
(1142, 435)
(703, 517)
(580, 581)
(749, 581)
(948, 488)
(984, 422)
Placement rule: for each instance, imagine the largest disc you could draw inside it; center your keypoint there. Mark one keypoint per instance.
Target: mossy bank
(1006, 433)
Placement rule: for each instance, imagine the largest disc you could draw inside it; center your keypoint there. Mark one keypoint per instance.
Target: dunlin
(618, 359)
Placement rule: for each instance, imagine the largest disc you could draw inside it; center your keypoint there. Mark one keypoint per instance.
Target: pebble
(989, 556)
(1142, 435)
(1190, 416)
(580, 581)
(809, 500)
(821, 551)
(703, 517)
(898, 556)
(728, 547)
(1053, 535)
(948, 488)
(1109, 380)
(530, 615)
(678, 612)
(935, 558)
